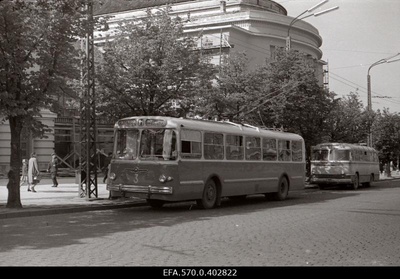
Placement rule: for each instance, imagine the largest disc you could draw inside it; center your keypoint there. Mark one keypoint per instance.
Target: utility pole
(369, 107)
(297, 18)
(88, 132)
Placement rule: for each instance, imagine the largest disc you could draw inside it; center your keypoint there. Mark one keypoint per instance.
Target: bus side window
(234, 147)
(213, 146)
(284, 150)
(269, 149)
(253, 148)
(297, 151)
(190, 144)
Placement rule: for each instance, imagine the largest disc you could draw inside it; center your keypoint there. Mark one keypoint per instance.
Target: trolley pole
(88, 132)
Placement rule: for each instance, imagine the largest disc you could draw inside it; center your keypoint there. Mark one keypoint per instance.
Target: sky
(358, 34)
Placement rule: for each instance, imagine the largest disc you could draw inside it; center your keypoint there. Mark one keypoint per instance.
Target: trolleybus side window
(190, 144)
(297, 151)
(127, 143)
(213, 146)
(234, 147)
(284, 150)
(253, 148)
(269, 149)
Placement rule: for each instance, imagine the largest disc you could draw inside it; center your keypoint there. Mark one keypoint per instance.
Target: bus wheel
(155, 203)
(356, 182)
(210, 195)
(283, 190)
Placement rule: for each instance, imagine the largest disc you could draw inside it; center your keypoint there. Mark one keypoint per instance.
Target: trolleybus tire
(210, 195)
(283, 189)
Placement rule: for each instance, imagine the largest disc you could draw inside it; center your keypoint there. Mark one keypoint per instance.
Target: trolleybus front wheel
(210, 195)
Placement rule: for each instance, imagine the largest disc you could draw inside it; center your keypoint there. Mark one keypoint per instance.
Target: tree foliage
(149, 66)
(38, 58)
(349, 120)
(386, 136)
(236, 89)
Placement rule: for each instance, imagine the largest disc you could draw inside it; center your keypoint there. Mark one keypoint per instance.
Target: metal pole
(88, 160)
(369, 108)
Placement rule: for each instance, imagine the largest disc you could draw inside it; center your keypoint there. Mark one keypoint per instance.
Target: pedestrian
(53, 169)
(106, 166)
(24, 175)
(33, 170)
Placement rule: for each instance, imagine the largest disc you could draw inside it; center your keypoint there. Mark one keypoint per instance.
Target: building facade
(256, 27)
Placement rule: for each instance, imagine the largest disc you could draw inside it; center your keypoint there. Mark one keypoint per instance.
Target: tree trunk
(14, 196)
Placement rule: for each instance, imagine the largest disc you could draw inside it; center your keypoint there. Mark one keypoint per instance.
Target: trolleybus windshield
(151, 144)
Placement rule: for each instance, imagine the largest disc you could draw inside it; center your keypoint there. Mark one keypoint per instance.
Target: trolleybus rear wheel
(283, 190)
(210, 194)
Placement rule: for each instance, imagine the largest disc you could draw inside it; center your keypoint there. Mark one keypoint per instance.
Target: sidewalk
(63, 199)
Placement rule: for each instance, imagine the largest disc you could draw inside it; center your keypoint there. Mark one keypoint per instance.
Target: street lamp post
(297, 18)
(369, 107)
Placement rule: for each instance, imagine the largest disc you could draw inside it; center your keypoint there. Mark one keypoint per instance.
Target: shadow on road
(62, 230)
(72, 229)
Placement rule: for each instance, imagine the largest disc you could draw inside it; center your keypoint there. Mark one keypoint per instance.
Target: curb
(30, 212)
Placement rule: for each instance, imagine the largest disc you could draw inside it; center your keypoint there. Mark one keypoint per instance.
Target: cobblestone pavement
(333, 227)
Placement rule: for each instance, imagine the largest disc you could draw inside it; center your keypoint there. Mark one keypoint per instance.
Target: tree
(387, 137)
(237, 88)
(349, 120)
(304, 105)
(149, 66)
(37, 58)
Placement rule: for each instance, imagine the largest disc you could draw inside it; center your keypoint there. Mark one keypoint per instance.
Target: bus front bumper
(331, 180)
(140, 189)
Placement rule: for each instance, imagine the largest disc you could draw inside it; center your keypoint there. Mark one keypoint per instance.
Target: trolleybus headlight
(163, 178)
(113, 176)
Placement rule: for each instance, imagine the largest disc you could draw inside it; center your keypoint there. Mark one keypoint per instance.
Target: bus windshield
(127, 144)
(151, 144)
(331, 155)
(320, 155)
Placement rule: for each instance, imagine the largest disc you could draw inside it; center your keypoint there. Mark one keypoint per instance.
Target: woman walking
(33, 170)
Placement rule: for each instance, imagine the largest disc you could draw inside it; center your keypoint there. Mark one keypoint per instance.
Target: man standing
(53, 168)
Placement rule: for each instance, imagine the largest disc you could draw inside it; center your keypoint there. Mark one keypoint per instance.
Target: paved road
(333, 227)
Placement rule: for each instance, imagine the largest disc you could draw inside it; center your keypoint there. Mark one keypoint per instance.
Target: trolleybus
(344, 163)
(165, 159)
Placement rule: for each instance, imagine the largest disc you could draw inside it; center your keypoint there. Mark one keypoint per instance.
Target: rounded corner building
(256, 27)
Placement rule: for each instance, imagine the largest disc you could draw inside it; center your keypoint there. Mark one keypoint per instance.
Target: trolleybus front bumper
(140, 189)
